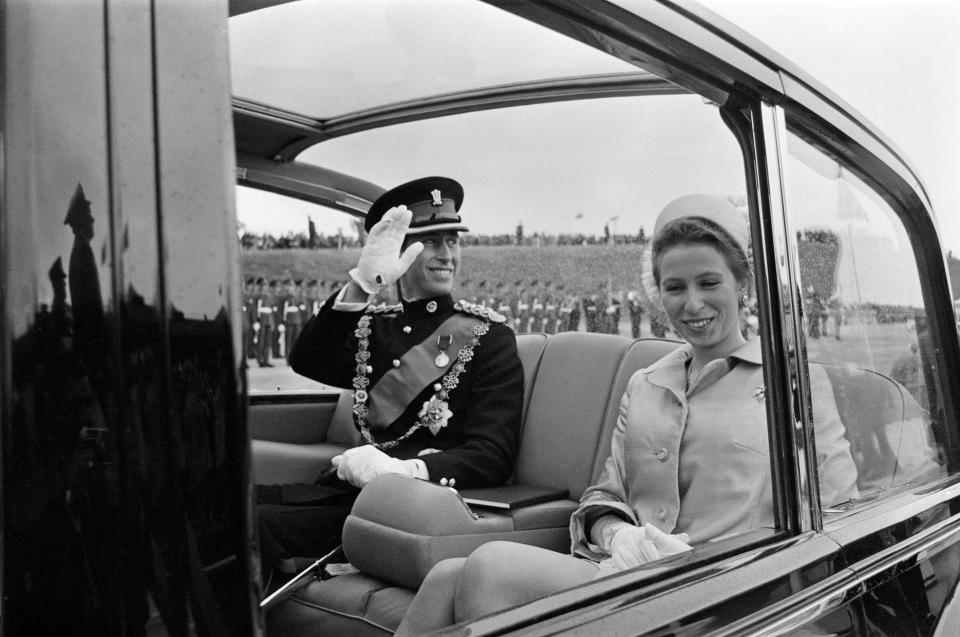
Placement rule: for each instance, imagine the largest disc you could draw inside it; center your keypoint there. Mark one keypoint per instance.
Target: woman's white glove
(380, 260)
(632, 546)
(360, 465)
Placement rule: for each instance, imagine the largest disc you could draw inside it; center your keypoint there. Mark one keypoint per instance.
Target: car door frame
(820, 564)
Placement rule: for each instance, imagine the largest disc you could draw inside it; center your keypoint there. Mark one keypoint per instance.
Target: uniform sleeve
(326, 347)
(609, 494)
(491, 430)
(837, 471)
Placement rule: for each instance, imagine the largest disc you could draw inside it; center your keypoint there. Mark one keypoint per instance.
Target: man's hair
(700, 231)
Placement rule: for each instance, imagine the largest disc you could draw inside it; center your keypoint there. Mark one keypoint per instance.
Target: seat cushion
(353, 604)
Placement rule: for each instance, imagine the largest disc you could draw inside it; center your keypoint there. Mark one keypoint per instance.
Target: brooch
(760, 393)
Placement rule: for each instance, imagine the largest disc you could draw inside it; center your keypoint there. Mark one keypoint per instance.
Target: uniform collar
(422, 307)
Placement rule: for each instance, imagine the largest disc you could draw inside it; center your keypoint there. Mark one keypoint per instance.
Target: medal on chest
(443, 342)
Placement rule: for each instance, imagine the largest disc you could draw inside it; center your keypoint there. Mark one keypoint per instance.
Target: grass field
(581, 269)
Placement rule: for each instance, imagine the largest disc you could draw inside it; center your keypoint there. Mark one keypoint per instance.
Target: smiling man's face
(435, 270)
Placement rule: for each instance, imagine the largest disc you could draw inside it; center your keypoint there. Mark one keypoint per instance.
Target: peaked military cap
(434, 202)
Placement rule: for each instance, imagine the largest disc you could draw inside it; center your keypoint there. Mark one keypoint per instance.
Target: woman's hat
(709, 207)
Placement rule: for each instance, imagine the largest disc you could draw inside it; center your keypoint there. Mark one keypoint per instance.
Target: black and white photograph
(365, 318)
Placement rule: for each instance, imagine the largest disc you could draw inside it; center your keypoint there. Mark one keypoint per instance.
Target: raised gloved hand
(360, 465)
(380, 261)
(632, 546)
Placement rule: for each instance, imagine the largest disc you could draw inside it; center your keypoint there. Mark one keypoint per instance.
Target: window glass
(870, 358)
(560, 200)
(293, 255)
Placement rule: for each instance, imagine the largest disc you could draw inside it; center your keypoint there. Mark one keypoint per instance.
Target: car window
(870, 354)
(560, 200)
(293, 254)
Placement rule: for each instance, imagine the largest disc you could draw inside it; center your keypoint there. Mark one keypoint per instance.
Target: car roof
(281, 110)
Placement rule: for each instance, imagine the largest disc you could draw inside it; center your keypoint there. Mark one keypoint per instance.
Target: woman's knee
(445, 572)
(497, 575)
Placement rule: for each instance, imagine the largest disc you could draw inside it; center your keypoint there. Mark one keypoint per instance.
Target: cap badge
(437, 200)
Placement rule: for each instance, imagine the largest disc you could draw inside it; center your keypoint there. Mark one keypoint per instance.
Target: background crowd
(275, 310)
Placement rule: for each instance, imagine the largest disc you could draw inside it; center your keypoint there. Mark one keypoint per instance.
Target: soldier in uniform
(276, 300)
(311, 301)
(503, 306)
(551, 310)
(249, 317)
(264, 324)
(537, 308)
(437, 384)
(522, 315)
(635, 307)
(293, 308)
(591, 312)
(611, 319)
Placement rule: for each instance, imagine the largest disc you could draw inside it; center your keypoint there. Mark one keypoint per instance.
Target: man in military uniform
(591, 312)
(636, 312)
(277, 297)
(292, 309)
(249, 317)
(264, 324)
(438, 385)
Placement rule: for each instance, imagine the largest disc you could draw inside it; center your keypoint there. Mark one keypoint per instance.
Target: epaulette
(383, 308)
(480, 311)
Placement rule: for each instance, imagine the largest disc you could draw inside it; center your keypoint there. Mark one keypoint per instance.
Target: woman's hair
(698, 230)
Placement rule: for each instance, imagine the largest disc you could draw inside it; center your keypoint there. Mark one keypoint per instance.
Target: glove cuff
(370, 287)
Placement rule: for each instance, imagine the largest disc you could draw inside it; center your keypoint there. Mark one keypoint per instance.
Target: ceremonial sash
(396, 389)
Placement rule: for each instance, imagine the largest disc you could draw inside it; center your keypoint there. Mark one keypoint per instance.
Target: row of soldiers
(275, 310)
(553, 308)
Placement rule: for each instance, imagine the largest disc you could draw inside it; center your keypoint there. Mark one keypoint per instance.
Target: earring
(743, 299)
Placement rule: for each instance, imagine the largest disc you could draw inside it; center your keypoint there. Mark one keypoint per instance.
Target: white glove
(360, 465)
(380, 261)
(632, 546)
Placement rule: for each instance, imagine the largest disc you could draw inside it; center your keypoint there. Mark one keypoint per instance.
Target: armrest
(285, 463)
(400, 527)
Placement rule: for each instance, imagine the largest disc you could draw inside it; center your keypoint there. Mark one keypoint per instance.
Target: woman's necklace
(436, 411)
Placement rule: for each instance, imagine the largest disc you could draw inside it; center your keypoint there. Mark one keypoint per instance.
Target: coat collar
(670, 371)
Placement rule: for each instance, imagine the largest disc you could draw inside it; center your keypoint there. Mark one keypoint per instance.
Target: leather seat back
(567, 410)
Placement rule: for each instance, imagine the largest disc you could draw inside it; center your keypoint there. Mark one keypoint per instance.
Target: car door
(124, 499)
(849, 253)
(819, 185)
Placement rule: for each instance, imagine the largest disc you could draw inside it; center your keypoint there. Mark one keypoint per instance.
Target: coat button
(407, 329)
(663, 455)
(662, 515)
(396, 363)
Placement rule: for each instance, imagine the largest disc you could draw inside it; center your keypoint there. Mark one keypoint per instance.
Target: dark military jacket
(478, 446)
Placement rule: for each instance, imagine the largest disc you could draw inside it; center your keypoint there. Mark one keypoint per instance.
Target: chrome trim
(833, 591)
(787, 270)
(487, 98)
